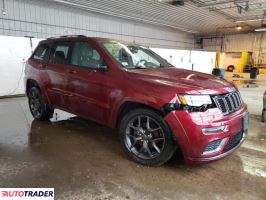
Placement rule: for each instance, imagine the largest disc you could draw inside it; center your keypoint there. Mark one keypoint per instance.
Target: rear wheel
(146, 137)
(39, 109)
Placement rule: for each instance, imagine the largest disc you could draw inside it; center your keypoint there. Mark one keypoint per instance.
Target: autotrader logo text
(27, 193)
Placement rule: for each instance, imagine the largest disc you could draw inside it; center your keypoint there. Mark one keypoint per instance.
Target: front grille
(228, 103)
(212, 146)
(234, 141)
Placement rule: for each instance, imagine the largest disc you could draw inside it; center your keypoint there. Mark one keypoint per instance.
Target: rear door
(86, 85)
(57, 69)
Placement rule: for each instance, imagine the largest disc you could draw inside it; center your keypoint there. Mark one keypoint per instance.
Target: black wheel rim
(144, 138)
(35, 104)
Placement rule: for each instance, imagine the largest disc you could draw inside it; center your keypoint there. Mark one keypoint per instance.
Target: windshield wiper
(166, 65)
(140, 67)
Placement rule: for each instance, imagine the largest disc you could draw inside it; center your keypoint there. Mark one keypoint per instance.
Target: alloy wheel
(144, 137)
(35, 104)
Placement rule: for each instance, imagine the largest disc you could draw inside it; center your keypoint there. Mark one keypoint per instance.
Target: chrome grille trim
(228, 103)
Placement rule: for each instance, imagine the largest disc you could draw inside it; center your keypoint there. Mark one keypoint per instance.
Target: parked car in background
(156, 107)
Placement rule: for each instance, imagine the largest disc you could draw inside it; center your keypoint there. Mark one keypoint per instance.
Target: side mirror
(102, 68)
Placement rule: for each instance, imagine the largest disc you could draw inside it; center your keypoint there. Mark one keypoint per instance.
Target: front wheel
(38, 108)
(146, 137)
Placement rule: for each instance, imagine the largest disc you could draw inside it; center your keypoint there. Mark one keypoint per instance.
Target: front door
(87, 86)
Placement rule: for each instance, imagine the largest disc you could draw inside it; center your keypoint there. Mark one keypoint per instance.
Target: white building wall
(252, 42)
(42, 19)
(213, 44)
(200, 61)
(236, 43)
(12, 63)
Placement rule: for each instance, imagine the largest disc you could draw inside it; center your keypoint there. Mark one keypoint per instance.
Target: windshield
(134, 57)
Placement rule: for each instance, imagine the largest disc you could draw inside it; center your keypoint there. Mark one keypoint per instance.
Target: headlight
(195, 100)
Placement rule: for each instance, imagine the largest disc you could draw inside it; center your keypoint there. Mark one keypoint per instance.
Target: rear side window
(42, 52)
(60, 53)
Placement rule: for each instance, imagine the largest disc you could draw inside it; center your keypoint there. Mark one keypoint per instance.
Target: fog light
(213, 130)
(215, 146)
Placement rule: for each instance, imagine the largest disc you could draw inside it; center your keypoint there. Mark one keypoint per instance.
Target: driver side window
(85, 55)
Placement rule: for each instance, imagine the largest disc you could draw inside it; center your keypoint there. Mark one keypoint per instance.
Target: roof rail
(67, 36)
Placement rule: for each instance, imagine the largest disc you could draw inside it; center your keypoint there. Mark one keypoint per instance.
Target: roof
(80, 37)
(73, 38)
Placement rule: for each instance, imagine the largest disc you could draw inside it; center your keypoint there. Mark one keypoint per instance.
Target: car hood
(186, 81)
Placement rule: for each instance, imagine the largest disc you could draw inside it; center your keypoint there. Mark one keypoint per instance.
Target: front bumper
(187, 128)
(219, 156)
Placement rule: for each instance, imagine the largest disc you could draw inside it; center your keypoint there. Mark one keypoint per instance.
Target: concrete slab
(83, 160)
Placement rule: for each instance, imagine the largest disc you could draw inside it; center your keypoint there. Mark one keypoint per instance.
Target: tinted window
(42, 52)
(60, 53)
(86, 56)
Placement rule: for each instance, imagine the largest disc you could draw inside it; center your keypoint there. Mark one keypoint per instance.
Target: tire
(146, 138)
(230, 68)
(38, 108)
(263, 118)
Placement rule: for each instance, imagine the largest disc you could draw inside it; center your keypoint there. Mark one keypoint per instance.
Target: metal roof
(196, 16)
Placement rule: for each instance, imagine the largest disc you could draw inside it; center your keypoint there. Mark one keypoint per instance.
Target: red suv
(156, 107)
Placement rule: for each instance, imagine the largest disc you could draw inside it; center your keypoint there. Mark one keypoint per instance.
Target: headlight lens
(195, 100)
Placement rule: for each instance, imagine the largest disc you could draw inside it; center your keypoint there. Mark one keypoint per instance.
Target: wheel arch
(130, 105)
(31, 83)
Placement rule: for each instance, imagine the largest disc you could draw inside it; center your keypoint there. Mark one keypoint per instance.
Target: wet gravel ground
(84, 160)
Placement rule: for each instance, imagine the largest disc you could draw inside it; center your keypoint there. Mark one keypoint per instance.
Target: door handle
(72, 71)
